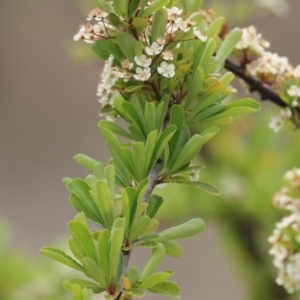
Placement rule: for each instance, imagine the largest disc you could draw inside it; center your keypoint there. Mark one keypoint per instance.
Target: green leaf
(82, 191)
(243, 106)
(215, 27)
(85, 161)
(104, 5)
(161, 111)
(149, 149)
(79, 293)
(140, 22)
(190, 228)
(139, 226)
(210, 132)
(163, 141)
(93, 271)
(166, 288)
(115, 128)
(153, 262)
(103, 249)
(154, 7)
(173, 248)
(188, 152)
(127, 43)
(83, 237)
(155, 279)
(81, 282)
(138, 293)
(228, 45)
(121, 8)
(204, 186)
(104, 202)
(61, 257)
(132, 274)
(76, 249)
(155, 203)
(208, 52)
(139, 163)
(115, 20)
(194, 86)
(80, 207)
(159, 24)
(104, 48)
(115, 241)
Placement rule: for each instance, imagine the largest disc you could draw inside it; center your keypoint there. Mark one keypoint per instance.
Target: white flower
(199, 35)
(167, 55)
(166, 70)
(126, 64)
(182, 25)
(252, 40)
(276, 123)
(296, 72)
(161, 41)
(154, 49)
(143, 60)
(142, 74)
(173, 13)
(294, 91)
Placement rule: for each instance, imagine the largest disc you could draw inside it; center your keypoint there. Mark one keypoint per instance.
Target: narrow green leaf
(204, 186)
(155, 203)
(132, 274)
(84, 238)
(163, 141)
(127, 43)
(139, 163)
(188, 152)
(215, 27)
(139, 226)
(115, 241)
(61, 257)
(155, 279)
(103, 249)
(82, 191)
(121, 8)
(76, 249)
(153, 262)
(228, 45)
(115, 128)
(173, 248)
(159, 24)
(166, 288)
(85, 161)
(93, 271)
(138, 293)
(149, 149)
(104, 202)
(243, 106)
(190, 228)
(79, 293)
(81, 282)
(80, 207)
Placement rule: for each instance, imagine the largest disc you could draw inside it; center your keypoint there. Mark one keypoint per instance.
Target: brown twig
(263, 89)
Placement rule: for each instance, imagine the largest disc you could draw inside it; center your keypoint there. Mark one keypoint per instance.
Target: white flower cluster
(273, 70)
(175, 24)
(285, 239)
(99, 31)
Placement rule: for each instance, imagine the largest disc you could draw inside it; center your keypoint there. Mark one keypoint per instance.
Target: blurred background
(49, 113)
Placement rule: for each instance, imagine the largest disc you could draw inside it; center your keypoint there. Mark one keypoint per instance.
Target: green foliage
(159, 109)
